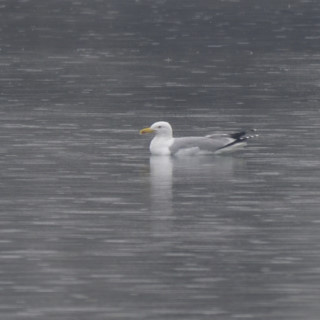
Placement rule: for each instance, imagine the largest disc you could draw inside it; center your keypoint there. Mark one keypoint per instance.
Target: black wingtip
(243, 135)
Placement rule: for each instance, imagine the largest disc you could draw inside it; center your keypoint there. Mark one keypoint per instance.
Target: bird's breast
(160, 146)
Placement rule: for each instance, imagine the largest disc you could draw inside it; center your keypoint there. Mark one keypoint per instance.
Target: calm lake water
(92, 226)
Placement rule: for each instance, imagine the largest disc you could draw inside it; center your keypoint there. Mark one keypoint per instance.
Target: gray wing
(209, 143)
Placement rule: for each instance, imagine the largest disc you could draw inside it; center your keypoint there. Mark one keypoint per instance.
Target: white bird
(164, 143)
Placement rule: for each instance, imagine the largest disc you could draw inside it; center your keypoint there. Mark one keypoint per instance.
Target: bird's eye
(159, 127)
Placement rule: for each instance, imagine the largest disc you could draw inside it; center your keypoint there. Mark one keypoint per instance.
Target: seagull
(164, 144)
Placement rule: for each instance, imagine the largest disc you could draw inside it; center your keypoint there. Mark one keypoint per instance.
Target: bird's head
(159, 128)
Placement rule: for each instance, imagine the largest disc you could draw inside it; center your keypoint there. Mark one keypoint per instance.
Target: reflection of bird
(164, 144)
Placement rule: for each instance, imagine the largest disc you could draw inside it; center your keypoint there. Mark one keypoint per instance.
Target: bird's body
(164, 143)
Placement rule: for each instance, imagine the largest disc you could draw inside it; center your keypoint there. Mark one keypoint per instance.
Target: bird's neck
(165, 136)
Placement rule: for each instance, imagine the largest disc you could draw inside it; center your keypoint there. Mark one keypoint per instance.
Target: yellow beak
(146, 130)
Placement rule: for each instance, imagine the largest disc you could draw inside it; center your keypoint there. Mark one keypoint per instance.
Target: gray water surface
(92, 226)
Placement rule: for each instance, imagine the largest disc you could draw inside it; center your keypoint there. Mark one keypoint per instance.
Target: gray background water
(92, 227)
